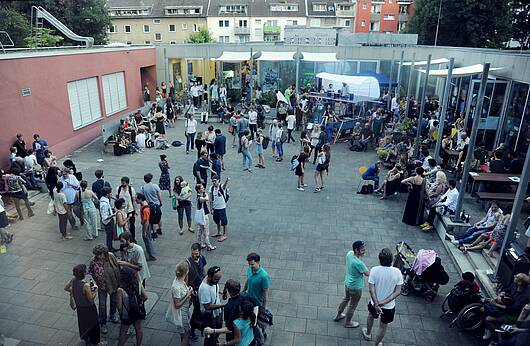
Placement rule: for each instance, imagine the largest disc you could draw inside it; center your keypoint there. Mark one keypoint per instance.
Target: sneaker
(68, 237)
(339, 317)
(450, 236)
(151, 258)
(181, 232)
(300, 188)
(487, 334)
(351, 325)
(191, 230)
(114, 318)
(75, 228)
(104, 329)
(305, 185)
(456, 242)
(366, 336)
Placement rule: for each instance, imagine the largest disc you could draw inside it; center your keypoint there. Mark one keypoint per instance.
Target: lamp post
(438, 23)
(444, 104)
(410, 82)
(422, 107)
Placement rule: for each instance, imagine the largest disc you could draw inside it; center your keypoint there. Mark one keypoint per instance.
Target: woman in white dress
(178, 309)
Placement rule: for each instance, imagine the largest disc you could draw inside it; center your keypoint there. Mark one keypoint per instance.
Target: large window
(114, 93)
(83, 96)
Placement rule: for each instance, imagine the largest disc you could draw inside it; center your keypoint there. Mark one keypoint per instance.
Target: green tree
(43, 38)
(202, 36)
(521, 22)
(463, 23)
(15, 24)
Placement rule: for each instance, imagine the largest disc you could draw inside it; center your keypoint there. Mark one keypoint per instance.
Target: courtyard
(302, 238)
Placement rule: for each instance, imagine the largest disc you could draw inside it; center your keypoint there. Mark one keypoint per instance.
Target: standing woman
(122, 219)
(259, 149)
(90, 213)
(323, 161)
(183, 195)
(203, 231)
(59, 203)
(243, 333)
(200, 144)
(413, 213)
(314, 139)
(245, 151)
(82, 296)
(233, 124)
(52, 177)
(170, 113)
(159, 124)
(178, 310)
(165, 180)
(300, 169)
(130, 290)
(164, 89)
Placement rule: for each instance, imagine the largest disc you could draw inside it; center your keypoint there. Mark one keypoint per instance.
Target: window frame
(118, 95)
(125, 28)
(155, 39)
(93, 99)
(148, 28)
(174, 28)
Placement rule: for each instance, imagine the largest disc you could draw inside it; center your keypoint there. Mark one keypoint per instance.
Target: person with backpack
(210, 303)
(13, 186)
(259, 148)
(146, 220)
(219, 198)
(219, 145)
(131, 305)
(153, 196)
(323, 161)
(202, 212)
(281, 137)
(127, 192)
(273, 130)
(299, 170)
(245, 151)
(100, 183)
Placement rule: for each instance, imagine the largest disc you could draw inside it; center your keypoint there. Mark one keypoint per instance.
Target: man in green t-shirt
(354, 282)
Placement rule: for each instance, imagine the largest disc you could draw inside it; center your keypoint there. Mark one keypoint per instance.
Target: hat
(358, 244)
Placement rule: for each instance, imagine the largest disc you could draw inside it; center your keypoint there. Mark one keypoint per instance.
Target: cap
(358, 244)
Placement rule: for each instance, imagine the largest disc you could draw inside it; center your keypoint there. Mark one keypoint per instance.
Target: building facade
(382, 15)
(155, 21)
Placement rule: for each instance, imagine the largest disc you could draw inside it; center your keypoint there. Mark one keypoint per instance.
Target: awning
(320, 57)
(381, 78)
(424, 63)
(233, 56)
(276, 56)
(363, 88)
(461, 71)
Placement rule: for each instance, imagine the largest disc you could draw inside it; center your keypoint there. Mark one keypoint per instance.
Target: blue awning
(381, 78)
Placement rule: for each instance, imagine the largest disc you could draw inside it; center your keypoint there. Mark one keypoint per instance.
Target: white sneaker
(305, 185)
(300, 188)
(456, 242)
(487, 334)
(450, 236)
(366, 336)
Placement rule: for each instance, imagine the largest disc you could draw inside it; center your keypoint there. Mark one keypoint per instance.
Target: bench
(498, 196)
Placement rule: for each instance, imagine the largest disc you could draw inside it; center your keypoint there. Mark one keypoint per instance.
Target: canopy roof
(381, 78)
(461, 71)
(320, 57)
(363, 88)
(424, 63)
(234, 56)
(276, 56)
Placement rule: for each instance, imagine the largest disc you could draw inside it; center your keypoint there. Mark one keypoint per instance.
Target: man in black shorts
(384, 283)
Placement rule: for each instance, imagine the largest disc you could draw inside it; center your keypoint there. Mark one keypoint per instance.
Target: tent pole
(251, 65)
(445, 102)
(389, 90)
(408, 86)
(297, 70)
(398, 86)
(422, 107)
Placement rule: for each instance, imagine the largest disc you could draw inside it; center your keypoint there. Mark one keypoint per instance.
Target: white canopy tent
(424, 62)
(276, 56)
(461, 71)
(319, 57)
(363, 88)
(233, 56)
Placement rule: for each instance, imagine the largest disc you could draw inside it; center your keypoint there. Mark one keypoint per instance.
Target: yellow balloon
(362, 169)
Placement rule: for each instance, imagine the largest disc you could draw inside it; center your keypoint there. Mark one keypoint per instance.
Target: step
(479, 261)
(492, 261)
(462, 262)
(488, 287)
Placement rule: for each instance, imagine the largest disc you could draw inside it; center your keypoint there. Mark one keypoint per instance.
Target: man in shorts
(218, 199)
(384, 283)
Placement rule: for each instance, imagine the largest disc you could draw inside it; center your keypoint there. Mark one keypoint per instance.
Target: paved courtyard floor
(302, 238)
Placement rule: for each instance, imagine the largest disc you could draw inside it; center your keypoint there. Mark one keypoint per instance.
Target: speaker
(513, 261)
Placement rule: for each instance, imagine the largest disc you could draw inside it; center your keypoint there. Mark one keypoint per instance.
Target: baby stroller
(462, 306)
(424, 275)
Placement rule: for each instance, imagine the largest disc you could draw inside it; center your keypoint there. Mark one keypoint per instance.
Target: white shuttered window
(83, 96)
(114, 93)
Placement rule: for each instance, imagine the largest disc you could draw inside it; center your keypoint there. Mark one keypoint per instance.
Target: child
(216, 164)
(468, 282)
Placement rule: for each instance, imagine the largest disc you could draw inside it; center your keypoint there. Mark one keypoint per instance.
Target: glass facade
(516, 132)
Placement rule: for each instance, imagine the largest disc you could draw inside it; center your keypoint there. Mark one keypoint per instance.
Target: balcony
(375, 17)
(403, 17)
(271, 29)
(242, 30)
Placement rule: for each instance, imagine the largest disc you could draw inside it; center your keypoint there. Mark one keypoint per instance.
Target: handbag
(174, 202)
(265, 316)
(200, 217)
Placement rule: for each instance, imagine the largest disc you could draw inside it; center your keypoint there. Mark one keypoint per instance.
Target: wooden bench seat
(499, 196)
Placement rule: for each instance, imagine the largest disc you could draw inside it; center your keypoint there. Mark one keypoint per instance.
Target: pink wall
(47, 111)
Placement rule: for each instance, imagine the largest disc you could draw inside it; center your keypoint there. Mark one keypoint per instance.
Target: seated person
(392, 182)
(507, 306)
(432, 169)
(487, 224)
(446, 205)
(366, 136)
(160, 142)
(516, 166)
(387, 150)
(520, 334)
(436, 189)
(497, 164)
(121, 146)
(372, 173)
(468, 282)
(140, 139)
(492, 239)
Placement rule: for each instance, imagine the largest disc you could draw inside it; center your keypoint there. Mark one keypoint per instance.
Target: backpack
(13, 183)
(130, 191)
(283, 136)
(176, 143)
(366, 189)
(294, 162)
(136, 309)
(265, 142)
(225, 194)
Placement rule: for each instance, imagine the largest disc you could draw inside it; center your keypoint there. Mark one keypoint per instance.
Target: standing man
(98, 185)
(147, 97)
(242, 125)
(211, 307)
(394, 107)
(196, 273)
(40, 146)
(219, 146)
(70, 188)
(218, 199)
(354, 283)
(107, 217)
(127, 192)
(134, 257)
(146, 221)
(384, 283)
(194, 91)
(20, 144)
(190, 129)
(252, 121)
(291, 121)
(257, 284)
(152, 194)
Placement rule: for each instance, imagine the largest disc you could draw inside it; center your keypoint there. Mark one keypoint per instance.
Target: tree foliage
(15, 24)
(84, 17)
(521, 22)
(202, 36)
(43, 38)
(463, 23)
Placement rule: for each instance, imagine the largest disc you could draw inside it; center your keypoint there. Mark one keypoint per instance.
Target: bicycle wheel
(470, 318)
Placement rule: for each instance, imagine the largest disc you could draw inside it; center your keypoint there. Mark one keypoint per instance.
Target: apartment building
(382, 15)
(155, 21)
(239, 21)
(330, 14)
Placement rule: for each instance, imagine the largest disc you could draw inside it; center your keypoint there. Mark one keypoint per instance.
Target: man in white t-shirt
(291, 121)
(384, 283)
(252, 122)
(210, 302)
(140, 139)
(190, 128)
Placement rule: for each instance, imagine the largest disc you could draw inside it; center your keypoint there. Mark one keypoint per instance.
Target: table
(481, 178)
(452, 158)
